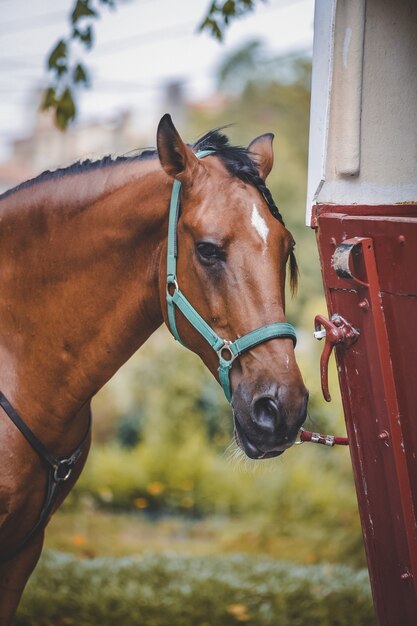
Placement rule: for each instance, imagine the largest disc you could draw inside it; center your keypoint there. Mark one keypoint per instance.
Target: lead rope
(325, 440)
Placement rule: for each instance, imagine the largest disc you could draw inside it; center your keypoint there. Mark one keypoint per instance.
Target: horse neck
(78, 283)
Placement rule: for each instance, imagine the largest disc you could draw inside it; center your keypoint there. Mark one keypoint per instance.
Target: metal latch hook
(335, 331)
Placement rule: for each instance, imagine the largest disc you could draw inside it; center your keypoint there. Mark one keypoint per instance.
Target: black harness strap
(59, 470)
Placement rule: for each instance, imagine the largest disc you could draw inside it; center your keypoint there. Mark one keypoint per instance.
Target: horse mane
(236, 159)
(78, 167)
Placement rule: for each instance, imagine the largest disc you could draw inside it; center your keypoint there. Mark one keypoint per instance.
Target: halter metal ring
(62, 470)
(226, 353)
(175, 284)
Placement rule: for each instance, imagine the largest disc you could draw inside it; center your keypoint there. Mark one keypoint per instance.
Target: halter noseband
(227, 351)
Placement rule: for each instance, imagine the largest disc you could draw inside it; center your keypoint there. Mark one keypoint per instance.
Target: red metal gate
(369, 265)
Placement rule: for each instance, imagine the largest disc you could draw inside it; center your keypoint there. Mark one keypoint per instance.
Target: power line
(17, 65)
(34, 21)
(153, 36)
(169, 33)
(173, 32)
(109, 85)
(46, 19)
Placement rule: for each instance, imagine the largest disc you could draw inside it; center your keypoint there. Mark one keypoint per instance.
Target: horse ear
(176, 158)
(262, 154)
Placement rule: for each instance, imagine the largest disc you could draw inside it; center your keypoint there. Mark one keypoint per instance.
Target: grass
(101, 533)
(174, 590)
(89, 532)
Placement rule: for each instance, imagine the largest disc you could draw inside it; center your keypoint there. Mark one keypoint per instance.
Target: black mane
(238, 162)
(236, 159)
(78, 167)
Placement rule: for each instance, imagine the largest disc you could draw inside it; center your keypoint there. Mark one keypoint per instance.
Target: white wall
(363, 128)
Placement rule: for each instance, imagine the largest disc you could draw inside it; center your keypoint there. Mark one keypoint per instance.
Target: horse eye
(209, 253)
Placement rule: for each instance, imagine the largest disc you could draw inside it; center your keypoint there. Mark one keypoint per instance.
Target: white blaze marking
(259, 224)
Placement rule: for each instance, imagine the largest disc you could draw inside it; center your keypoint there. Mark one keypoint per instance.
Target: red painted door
(369, 266)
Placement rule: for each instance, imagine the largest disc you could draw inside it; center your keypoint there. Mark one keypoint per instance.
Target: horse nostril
(265, 413)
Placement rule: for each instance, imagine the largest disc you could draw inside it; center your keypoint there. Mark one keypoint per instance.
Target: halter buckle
(226, 353)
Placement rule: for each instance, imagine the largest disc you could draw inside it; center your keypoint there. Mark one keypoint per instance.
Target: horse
(93, 259)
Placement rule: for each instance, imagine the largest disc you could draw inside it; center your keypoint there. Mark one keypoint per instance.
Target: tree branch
(68, 74)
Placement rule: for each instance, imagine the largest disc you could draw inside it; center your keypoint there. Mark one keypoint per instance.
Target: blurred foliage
(269, 94)
(174, 590)
(130, 429)
(182, 464)
(254, 62)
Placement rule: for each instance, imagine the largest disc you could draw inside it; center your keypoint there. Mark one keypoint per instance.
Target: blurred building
(46, 147)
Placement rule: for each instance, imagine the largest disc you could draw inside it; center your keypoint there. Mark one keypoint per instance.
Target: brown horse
(83, 262)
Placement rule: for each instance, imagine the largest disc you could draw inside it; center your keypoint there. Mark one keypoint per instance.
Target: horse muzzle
(268, 424)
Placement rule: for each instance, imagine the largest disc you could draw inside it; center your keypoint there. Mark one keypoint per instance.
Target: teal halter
(227, 351)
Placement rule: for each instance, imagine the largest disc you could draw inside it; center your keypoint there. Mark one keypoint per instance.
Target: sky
(139, 48)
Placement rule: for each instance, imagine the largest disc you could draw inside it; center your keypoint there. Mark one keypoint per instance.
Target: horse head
(231, 252)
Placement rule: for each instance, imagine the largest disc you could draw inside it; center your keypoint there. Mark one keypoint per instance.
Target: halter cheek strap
(227, 351)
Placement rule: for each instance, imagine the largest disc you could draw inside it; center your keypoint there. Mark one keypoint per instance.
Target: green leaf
(229, 8)
(220, 16)
(61, 69)
(212, 26)
(58, 54)
(80, 74)
(65, 109)
(85, 36)
(82, 9)
(49, 99)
